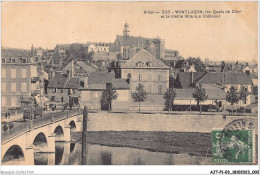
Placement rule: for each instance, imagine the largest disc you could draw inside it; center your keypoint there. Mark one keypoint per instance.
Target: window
(52, 98)
(3, 87)
(23, 87)
(149, 88)
(54, 90)
(149, 64)
(13, 60)
(61, 99)
(3, 101)
(150, 77)
(139, 64)
(140, 77)
(220, 104)
(61, 91)
(13, 101)
(13, 87)
(13, 73)
(3, 60)
(159, 89)
(159, 77)
(3, 73)
(24, 73)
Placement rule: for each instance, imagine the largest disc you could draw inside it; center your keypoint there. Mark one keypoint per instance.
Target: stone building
(144, 68)
(130, 45)
(19, 77)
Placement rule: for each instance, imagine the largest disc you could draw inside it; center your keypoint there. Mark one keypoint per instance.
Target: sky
(44, 24)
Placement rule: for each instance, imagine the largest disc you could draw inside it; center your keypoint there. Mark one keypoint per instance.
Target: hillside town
(79, 74)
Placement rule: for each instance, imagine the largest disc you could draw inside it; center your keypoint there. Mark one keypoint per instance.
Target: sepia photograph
(129, 83)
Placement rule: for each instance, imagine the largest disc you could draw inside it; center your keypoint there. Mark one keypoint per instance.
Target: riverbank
(194, 144)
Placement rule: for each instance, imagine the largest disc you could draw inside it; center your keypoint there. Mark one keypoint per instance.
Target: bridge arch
(40, 140)
(14, 153)
(59, 133)
(72, 125)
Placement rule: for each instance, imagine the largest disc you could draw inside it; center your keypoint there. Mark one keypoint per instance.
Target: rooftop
(147, 60)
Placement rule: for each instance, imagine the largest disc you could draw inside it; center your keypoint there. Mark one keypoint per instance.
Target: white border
(116, 169)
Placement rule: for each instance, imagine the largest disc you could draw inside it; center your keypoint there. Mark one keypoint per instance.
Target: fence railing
(10, 133)
(45, 119)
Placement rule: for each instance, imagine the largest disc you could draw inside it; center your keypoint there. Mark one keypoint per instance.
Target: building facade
(130, 45)
(20, 79)
(144, 68)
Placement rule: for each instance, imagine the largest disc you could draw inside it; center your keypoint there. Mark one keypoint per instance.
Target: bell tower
(126, 30)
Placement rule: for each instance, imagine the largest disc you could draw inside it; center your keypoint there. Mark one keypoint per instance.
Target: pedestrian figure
(6, 115)
(5, 127)
(55, 107)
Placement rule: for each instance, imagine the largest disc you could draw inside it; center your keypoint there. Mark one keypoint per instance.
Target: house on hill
(96, 83)
(130, 45)
(144, 68)
(78, 69)
(63, 89)
(214, 82)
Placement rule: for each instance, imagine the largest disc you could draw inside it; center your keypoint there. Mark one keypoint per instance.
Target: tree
(222, 66)
(199, 95)
(140, 95)
(169, 97)
(109, 94)
(243, 93)
(232, 96)
(199, 66)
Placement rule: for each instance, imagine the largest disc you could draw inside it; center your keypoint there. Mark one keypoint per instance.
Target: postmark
(235, 143)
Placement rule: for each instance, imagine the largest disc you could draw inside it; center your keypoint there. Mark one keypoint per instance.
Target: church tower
(126, 30)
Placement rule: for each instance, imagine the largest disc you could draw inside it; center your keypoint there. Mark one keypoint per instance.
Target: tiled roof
(168, 63)
(72, 83)
(120, 84)
(185, 78)
(100, 78)
(58, 81)
(98, 81)
(226, 78)
(79, 66)
(144, 57)
(214, 93)
(132, 40)
(10, 52)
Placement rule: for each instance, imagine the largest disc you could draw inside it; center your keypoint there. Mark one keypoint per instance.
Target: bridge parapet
(36, 123)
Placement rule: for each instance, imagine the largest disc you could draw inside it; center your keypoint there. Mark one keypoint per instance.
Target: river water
(67, 153)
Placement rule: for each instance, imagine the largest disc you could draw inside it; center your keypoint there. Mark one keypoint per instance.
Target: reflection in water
(70, 154)
(72, 147)
(40, 159)
(59, 150)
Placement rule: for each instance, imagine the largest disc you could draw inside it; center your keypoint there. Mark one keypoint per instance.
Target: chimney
(191, 78)
(51, 73)
(68, 74)
(72, 69)
(85, 82)
(174, 63)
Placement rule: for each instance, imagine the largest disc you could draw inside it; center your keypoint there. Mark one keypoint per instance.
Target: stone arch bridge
(20, 143)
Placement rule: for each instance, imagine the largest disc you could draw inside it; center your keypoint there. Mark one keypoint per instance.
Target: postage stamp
(234, 144)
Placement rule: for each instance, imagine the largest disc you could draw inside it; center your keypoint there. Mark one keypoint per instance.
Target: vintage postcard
(129, 83)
